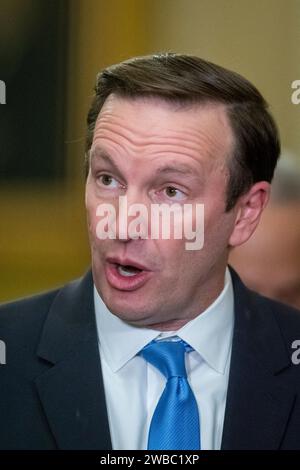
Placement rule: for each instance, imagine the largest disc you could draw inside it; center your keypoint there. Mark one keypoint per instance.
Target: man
(270, 261)
(189, 357)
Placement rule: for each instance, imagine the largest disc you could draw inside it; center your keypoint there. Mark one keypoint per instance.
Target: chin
(131, 310)
(136, 318)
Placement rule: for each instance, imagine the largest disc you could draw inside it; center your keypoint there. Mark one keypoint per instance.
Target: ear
(249, 209)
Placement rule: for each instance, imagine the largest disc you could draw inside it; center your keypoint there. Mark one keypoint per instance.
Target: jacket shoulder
(22, 320)
(21, 310)
(287, 317)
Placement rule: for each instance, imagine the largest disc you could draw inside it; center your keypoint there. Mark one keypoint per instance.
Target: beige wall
(259, 39)
(43, 237)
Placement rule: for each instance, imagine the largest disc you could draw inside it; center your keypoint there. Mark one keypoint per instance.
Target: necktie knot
(167, 357)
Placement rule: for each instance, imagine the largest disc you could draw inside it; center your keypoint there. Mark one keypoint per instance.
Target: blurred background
(50, 53)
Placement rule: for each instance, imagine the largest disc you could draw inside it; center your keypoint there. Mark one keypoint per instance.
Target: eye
(107, 180)
(174, 193)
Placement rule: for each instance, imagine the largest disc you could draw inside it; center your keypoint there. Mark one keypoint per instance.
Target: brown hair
(185, 79)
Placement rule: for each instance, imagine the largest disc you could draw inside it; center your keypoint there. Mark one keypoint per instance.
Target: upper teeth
(124, 271)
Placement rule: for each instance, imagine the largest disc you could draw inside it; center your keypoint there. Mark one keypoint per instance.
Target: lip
(119, 282)
(126, 261)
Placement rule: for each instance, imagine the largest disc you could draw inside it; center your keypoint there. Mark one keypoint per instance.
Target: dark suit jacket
(51, 388)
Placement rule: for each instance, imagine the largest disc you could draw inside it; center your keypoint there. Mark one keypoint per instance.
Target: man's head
(184, 80)
(174, 128)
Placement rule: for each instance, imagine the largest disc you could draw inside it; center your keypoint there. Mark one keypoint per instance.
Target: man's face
(270, 261)
(155, 153)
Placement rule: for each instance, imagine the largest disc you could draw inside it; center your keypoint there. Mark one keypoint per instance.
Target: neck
(196, 310)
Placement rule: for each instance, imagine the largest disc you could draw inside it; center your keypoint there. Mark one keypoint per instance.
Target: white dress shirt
(133, 386)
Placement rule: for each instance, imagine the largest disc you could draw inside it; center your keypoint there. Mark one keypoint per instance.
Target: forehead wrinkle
(97, 149)
(151, 148)
(155, 152)
(122, 128)
(105, 132)
(124, 125)
(171, 144)
(170, 165)
(200, 140)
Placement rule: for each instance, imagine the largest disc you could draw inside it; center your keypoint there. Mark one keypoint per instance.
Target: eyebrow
(101, 154)
(177, 168)
(180, 168)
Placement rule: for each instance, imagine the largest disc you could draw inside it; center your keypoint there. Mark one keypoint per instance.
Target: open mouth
(126, 276)
(127, 270)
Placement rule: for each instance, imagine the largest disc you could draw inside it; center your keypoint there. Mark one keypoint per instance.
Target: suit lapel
(72, 391)
(258, 403)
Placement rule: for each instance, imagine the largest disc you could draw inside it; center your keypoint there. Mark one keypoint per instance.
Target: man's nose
(132, 217)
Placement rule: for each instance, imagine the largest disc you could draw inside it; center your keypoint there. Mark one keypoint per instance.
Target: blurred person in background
(269, 262)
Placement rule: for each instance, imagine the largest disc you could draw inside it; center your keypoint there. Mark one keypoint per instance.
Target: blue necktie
(175, 422)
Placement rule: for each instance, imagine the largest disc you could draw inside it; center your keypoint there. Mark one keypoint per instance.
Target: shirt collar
(210, 333)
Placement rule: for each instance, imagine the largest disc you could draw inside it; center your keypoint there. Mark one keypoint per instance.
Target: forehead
(154, 125)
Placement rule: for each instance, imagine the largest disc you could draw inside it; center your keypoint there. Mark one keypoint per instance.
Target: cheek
(218, 224)
(91, 219)
(179, 264)
(91, 210)
(170, 250)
